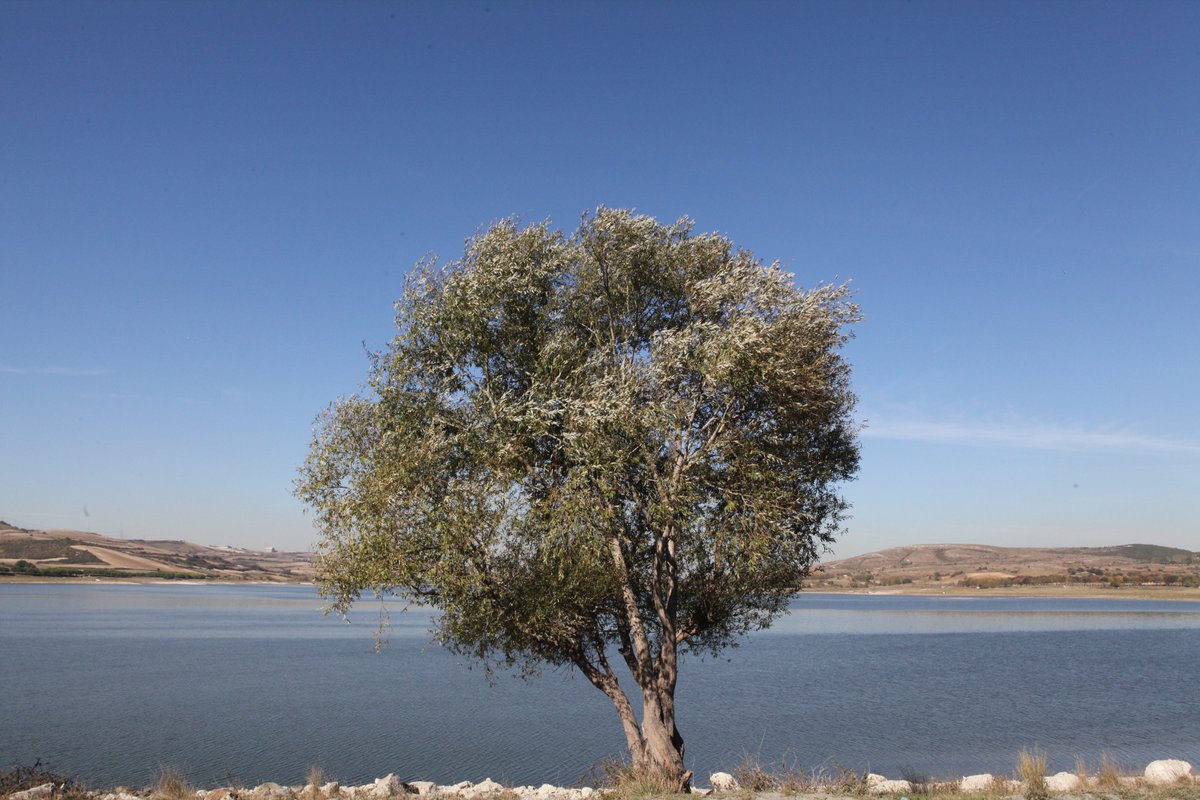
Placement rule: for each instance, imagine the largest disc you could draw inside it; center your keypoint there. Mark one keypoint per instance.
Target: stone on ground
(976, 783)
(1063, 782)
(36, 793)
(723, 782)
(889, 787)
(1167, 771)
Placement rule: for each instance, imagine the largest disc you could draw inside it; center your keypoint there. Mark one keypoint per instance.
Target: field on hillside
(77, 554)
(1136, 568)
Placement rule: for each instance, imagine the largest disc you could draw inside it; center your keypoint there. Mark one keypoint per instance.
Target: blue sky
(207, 209)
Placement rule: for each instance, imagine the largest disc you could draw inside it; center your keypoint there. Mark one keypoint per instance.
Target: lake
(245, 684)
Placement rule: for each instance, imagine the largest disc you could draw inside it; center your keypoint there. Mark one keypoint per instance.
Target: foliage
(634, 436)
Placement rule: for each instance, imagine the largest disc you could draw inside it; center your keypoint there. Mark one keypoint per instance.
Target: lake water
(244, 684)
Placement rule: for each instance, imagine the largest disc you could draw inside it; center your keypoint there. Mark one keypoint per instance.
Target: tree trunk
(661, 749)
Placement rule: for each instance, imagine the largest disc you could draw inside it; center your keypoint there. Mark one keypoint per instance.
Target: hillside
(928, 567)
(986, 566)
(69, 553)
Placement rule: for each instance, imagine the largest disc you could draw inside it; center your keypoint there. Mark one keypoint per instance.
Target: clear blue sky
(206, 210)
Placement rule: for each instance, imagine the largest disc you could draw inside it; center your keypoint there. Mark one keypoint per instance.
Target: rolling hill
(985, 566)
(70, 553)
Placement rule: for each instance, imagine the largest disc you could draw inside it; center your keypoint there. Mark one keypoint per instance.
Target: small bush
(313, 783)
(624, 781)
(841, 780)
(751, 776)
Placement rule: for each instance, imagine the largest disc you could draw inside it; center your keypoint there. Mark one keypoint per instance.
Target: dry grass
(791, 779)
(1081, 772)
(171, 785)
(313, 782)
(623, 781)
(1108, 777)
(1031, 771)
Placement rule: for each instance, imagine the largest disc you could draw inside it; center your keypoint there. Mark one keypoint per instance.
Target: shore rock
(388, 786)
(723, 782)
(976, 783)
(886, 786)
(1167, 771)
(484, 788)
(423, 787)
(1063, 782)
(269, 791)
(36, 793)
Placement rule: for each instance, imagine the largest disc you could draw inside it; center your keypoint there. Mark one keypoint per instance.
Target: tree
(623, 444)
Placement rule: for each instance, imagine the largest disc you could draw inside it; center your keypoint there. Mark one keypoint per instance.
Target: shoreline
(1171, 778)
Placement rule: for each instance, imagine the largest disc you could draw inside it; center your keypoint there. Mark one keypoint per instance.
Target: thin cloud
(86, 372)
(1024, 436)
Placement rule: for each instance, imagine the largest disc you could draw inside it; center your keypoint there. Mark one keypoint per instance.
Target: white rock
(548, 790)
(423, 787)
(874, 779)
(44, 790)
(484, 788)
(976, 783)
(388, 786)
(585, 792)
(1063, 782)
(1167, 771)
(723, 782)
(889, 787)
(330, 788)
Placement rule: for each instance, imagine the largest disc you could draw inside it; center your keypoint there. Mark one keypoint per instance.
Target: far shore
(1188, 593)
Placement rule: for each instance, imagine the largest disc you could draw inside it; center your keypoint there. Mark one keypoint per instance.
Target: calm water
(248, 684)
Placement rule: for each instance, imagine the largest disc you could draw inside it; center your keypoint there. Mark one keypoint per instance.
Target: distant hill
(986, 565)
(69, 553)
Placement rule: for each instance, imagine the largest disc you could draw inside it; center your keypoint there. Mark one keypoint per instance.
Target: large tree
(620, 444)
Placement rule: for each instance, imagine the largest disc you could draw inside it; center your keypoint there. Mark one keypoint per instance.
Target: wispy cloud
(54, 370)
(1024, 436)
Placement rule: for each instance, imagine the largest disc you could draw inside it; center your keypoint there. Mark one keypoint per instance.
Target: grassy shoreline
(1160, 780)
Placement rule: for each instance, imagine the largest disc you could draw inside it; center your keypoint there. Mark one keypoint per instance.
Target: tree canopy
(622, 443)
